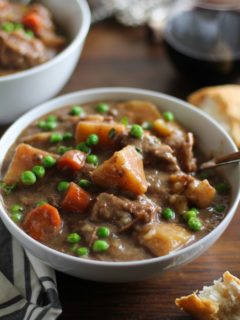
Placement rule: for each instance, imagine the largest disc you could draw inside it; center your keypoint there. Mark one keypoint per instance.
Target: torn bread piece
(223, 104)
(221, 301)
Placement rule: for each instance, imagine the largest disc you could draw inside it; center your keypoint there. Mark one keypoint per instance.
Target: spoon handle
(220, 161)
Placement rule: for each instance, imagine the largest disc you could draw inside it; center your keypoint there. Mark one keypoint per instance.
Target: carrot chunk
(33, 21)
(76, 199)
(42, 222)
(123, 170)
(72, 159)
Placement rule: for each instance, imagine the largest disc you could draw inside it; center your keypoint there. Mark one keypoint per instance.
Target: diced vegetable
(73, 160)
(42, 222)
(138, 111)
(101, 129)
(76, 199)
(162, 128)
(123, 170)
(201, 193)
(24, 159)
(164, 238)
(33, 21)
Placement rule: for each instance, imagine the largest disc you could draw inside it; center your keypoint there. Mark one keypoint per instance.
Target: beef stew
(112, 181)
(28, 36)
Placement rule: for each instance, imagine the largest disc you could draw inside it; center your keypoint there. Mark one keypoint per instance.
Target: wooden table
(119, 56)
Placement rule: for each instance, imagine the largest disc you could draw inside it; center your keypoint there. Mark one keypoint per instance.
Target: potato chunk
(25, 158)
(138, 111)
(164, 238)
(102, 129)
(201, 193)
(123, 170)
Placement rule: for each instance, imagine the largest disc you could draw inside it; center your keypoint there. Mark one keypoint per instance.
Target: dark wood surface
(119, 56)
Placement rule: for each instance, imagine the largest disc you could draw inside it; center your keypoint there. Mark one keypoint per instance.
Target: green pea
(76, 111)
(100, 246)
(220, 208)
(221, 187)
(62, 149)
(194, 224)
(67, 136)
(124, 121)
(39, 171)
(92, 140)
(29, 33)
(82, 251)
(28, 178)
(168, 116)
(189, 214)
(63, 186)
(103, 232)
(52, 118)
(168, 214)
(83, 183)
(47, 126)
(48, 161)
(41, 203)
(17, 217)
(18, 26)
(146, 125)
(102, 107)
(16, 208)
(136, 131)
(8, 27)
(56, 137)
(92, 159)
(73, 238)
(82, 146)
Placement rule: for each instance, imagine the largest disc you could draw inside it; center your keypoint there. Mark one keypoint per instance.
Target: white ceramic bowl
(23, 90)
(212, 139)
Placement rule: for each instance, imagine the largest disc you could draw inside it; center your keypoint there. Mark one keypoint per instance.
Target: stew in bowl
(112, 181)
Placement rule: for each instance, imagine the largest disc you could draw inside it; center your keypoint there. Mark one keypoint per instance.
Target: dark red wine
(205, 44)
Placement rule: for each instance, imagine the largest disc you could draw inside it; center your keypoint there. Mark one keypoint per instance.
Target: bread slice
(223, 104)
(221, 301)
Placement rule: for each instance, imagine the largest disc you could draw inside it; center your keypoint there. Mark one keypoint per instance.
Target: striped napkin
(27, 286)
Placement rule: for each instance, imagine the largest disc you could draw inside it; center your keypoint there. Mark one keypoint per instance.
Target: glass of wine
(202, 38)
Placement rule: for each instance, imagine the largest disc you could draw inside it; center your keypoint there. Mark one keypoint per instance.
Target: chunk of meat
(76, 199)
(42, 222)
(186, 158)
(123, 211)
(137, 111)
(123, 170)
(40, 138)
(19, 51)
(161, 239)
(200, 193)
(152, 149)
(73, 160)
(25, 158)
(102, 129)
(39, 19)
(11, 12)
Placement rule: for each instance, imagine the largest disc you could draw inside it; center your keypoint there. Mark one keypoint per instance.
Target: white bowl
(212, 139)
(23, 90)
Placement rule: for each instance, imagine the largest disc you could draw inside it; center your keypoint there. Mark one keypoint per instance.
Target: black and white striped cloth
(27, 286)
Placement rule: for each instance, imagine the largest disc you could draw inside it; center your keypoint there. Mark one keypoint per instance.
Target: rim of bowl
(80, 37)
(120, 90)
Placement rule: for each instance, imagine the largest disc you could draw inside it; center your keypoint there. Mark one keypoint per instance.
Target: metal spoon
(23, 1)
(221, 161)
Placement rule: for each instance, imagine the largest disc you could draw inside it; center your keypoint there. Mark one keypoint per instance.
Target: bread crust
(203, 308)
(227, 97)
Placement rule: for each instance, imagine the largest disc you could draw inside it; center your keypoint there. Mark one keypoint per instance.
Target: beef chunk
(153, 150)
(124, 212)
(19, 51)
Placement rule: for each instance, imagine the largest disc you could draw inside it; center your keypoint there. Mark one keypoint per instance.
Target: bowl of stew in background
(42, 60)
(141, 248)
